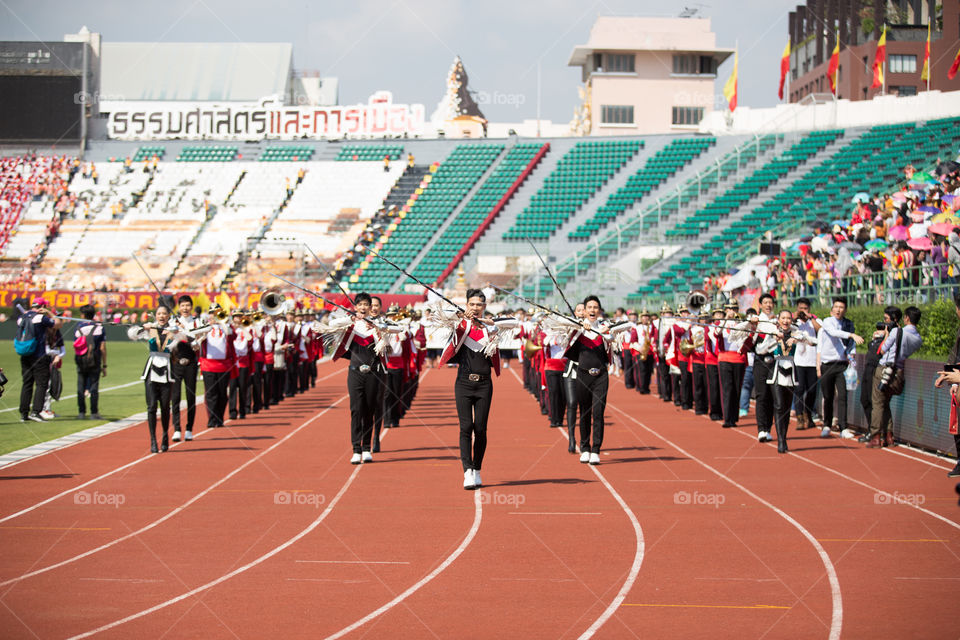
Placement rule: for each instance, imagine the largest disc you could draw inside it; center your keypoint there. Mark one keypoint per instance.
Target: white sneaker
(764, 436)
(367, 457)
(355, 459)
(594, 458)
(468, 479)
(176, 436)
(47, 415)
(825, 432)
(188, 435)
(848, 433)
(585, 457)
(477, 482)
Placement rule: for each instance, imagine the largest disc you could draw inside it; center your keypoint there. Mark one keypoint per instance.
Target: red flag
(953, 68)
(784, 68)
(834, 67)
(879, 59)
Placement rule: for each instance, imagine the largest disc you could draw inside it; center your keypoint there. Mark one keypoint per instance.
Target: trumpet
(220, 314)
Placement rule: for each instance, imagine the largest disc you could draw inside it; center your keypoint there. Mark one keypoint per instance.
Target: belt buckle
(364, 368)
(474, 377)
(594, 371)
(184, 361)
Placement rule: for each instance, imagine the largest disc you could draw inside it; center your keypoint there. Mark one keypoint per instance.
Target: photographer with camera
(30, 344)
(888, 380)
(891, 318)
(805, 360)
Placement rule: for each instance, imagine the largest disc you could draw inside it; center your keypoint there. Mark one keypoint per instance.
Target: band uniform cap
(732, 305)
(38, 302)
(666, 308)
(644, 312)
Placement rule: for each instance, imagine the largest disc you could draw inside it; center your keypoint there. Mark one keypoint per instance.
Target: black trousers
(35, 372)
(834, 385)
(473, 408)
(267, 385)
(664, 381)
(526, 375)
(239, 393)
(643, 371)
(393, 397)
(592, 402)
(293, 377)
(686, 387)
(629, 369)
(731, 379)
(764, 393)
(782, 404)
(216, 386)
(256, 386)
(185, 374)
(806, 391)
(866, 391)
(303, 373)
(700, 398)
(570, 395)
(409, 393)
(365, 394)
(713, 391)
(556, 398)
(158, 394)
(278, 382)
(88, 381)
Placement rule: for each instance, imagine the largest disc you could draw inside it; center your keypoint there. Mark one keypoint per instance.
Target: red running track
(263, 529)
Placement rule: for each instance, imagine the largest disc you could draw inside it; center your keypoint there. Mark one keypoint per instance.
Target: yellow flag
(730, 88)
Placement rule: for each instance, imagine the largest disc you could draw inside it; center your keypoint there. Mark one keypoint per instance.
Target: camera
(801, 316)
(888, 326)
(886, 375)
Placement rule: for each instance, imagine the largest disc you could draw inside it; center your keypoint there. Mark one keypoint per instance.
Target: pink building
(647, 75)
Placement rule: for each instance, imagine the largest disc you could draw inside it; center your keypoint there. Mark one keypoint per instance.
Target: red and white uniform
(217, 352)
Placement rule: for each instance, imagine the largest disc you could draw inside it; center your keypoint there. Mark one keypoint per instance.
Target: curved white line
(637, 556)
(178, 509)
(477, 516)
(313, 525)
(836, 618)
(67, 492)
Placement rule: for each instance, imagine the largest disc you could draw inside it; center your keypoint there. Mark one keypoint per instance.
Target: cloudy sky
(407, 46)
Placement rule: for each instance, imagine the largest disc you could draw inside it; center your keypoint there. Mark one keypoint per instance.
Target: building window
(902, 64)
(687, 115)
(694, 65)
(620, 63)
(903, 91)
(613, 114)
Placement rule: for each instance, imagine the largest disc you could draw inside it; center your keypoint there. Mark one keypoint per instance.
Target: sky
(407, 46)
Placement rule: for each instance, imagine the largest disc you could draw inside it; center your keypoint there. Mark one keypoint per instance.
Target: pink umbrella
(899, 196)
(916, 216)
(920, 244)
(941, 228)
(898, 232)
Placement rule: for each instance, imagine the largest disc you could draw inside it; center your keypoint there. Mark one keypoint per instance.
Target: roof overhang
(581, 53)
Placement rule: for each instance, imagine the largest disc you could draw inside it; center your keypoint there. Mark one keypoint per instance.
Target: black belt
(474, 377)
(364, 368)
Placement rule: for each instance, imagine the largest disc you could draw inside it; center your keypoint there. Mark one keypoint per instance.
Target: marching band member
(376, 306)
(304, 352)
(570, 391)
(783, 376)
(665, 350)
(711, 362)
(592, 348)
(626, 352)
(418, 344)
(316, 347)
(363, 340)
(185, 368)
(683, 378)
(271, 347)
(733, 344)
(397, 353)
(157, 372)
(217, 361)
(291, 345)
(698, 369)
(763, 363)
(554, 366)
(239, 387)
(257, 366)
(474, 347)
(642, 338)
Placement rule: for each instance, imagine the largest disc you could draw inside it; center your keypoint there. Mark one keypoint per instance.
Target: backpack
(25, 341)
(86, 355)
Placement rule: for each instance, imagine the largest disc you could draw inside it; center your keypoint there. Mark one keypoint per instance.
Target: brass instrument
(530, 349)
(645, 347)
(686, 347)
(696, 300)
(220, 314)
(273, 303)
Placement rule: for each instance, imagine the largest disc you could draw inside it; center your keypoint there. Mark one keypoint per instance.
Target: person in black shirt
(473, 347)
(591, 347)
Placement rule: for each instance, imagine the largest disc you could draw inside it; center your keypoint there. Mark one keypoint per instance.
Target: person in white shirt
(836, 344)
(805, 365)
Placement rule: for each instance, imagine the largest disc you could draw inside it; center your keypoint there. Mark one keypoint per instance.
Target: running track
(263, 529)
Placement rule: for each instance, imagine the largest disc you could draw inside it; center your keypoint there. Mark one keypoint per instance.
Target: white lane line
(67, 492)
(909, 457)
(73, 395)
(637, 556)
(477, 516)
(893, 498)
(183, 596)
(836, 618)
(178, 509)
(556, 513)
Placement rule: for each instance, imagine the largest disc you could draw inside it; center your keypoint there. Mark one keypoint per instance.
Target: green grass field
(125, 360)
